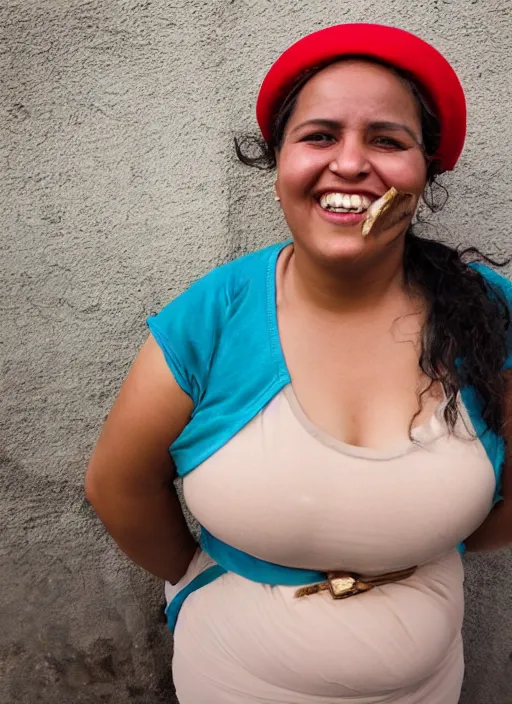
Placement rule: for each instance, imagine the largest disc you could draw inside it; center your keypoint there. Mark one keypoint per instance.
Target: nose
(350, 160)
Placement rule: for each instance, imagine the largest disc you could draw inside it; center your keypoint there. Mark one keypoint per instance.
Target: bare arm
(496, 531)
(129, 480)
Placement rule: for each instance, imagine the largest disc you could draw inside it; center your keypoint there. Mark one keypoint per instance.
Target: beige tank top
(287, 492)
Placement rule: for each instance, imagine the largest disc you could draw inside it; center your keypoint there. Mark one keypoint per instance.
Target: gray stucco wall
(118, 187)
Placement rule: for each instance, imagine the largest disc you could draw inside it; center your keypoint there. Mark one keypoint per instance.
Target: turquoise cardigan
(221, 341)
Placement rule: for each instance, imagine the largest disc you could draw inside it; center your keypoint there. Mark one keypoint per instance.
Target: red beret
(390, 44)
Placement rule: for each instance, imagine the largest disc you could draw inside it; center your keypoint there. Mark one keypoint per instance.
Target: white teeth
(343, 202)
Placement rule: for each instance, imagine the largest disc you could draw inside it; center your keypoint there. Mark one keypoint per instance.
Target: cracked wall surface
(118, 187)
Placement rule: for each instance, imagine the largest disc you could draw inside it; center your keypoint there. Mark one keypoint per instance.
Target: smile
(336, 202)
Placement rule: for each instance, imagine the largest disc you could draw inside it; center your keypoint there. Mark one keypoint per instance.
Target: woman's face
(355, 131)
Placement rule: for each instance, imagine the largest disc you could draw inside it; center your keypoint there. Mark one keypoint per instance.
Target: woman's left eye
(388, 142)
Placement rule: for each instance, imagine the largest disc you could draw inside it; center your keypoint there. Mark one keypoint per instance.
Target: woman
(336, 404)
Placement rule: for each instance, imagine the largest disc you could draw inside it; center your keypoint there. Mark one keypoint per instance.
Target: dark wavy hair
(465, 332)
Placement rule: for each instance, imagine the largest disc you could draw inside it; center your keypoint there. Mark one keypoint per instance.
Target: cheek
(296, 175)
(406, 174)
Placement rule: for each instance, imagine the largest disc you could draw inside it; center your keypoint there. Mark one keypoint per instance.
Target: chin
(339, 248)
(348, 245)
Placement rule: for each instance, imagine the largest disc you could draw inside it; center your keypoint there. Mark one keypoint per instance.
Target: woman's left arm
(496, 531)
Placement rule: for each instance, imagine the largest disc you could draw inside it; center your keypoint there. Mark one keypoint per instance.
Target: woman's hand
(129, 480)
(496, 531)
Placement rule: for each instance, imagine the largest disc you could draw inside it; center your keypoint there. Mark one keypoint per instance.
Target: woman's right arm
(129, 480)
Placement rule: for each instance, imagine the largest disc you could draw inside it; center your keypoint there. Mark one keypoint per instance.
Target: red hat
(390, 44)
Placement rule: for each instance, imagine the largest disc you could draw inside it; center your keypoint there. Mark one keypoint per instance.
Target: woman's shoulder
(497, 281)
(229, 302)
(238, 273)
(214, 293)
(499, 287)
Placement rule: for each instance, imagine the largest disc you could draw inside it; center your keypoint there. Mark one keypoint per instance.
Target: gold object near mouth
(387, 211)
(345, 584)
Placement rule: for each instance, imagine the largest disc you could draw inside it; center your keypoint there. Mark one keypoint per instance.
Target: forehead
(355, 89)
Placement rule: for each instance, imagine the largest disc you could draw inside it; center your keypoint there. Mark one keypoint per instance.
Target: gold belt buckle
(342, 585)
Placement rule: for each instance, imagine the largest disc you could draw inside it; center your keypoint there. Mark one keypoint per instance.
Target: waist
(217, 558)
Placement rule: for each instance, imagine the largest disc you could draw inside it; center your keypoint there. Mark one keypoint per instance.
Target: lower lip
(346, 219)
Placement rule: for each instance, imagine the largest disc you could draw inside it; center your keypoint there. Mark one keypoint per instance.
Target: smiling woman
(337, 406)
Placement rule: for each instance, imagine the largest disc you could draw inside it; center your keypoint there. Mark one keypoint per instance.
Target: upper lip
(350, 191)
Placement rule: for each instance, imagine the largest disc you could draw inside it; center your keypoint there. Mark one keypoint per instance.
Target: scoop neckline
(424, 434)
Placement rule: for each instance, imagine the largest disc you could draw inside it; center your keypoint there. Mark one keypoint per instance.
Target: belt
(345, 584)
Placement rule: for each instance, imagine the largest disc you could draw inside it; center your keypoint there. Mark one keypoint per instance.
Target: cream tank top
(287, 492)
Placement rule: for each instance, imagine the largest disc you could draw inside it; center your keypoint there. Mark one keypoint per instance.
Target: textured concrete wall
(119, 186)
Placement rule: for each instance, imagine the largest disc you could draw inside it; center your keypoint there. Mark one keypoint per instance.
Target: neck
(352, 286)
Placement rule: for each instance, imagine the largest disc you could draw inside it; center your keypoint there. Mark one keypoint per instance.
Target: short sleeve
(502, 287)
(187, 331)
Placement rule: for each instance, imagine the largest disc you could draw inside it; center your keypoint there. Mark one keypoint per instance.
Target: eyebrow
(379, 125)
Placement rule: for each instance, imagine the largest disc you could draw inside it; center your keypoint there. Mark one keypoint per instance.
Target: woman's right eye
(318, 138)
